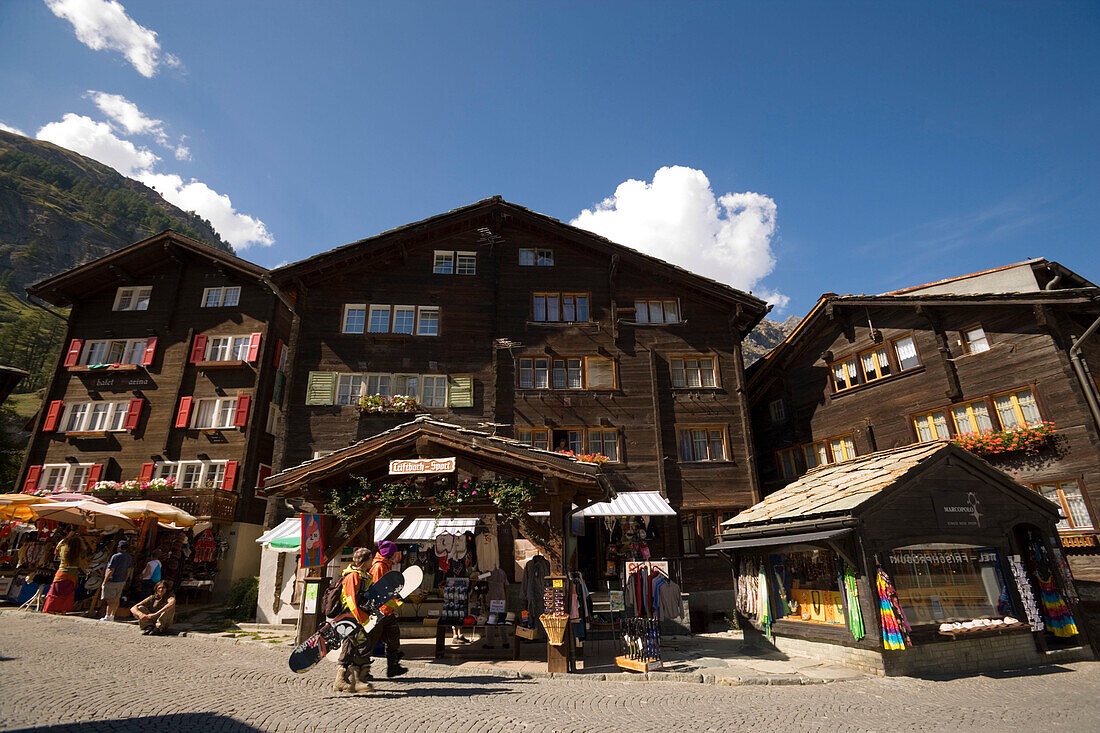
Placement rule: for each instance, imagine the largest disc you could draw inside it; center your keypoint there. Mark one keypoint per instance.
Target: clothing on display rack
(488, 551)
(895, 628)
(748, 590)
(534, 581)
(1023, 587)
(851, 592)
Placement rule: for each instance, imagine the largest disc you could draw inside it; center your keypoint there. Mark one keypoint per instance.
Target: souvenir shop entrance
(922, 559)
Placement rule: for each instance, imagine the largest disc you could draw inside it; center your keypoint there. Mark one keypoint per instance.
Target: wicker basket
(555, 628)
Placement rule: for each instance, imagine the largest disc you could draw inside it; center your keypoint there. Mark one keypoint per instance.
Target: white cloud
(679, 219)
(9, 128)
(238, 229)
(131, 120)
(104, 25)
(97, 140)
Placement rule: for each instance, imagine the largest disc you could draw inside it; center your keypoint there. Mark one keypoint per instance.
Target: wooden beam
(358, 523)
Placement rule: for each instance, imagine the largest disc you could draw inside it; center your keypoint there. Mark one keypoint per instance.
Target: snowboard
(311, 651)
(413, 577)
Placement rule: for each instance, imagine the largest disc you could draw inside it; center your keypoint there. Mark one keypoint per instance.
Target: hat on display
(469, 621)
(386, 548)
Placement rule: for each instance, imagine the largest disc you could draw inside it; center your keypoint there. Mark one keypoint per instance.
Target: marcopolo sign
(422, 465)
(958, 509)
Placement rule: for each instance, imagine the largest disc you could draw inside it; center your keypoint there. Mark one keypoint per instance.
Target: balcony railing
(211, 505)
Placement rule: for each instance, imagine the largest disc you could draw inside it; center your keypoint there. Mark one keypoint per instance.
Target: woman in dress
(71, 553)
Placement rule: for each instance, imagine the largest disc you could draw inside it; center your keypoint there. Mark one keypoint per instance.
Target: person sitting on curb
(157, 612)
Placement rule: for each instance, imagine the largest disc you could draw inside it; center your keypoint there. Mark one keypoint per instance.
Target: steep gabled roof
(980, 281)
(89, 277)
(375, 245)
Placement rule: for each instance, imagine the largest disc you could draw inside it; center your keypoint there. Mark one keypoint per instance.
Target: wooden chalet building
(172, 357)
(499, 318)
(991, 351)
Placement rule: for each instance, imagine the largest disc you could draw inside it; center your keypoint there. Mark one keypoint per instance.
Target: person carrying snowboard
(387, 629)
(353, 669)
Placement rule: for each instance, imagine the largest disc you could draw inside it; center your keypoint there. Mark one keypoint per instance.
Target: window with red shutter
(150, 351)
(72, 356)
(133, 415)
(147, 471)
(253, 348)
(198, 348)
(230, 475)
(278, 358)
(240, 418)
(183, 416)
(93, 475)
(53, 416)
(33, 472)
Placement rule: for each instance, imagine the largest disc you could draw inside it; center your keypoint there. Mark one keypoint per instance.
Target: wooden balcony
(1079, 540)
(208, 505)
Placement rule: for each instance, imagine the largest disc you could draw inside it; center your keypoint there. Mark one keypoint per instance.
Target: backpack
(332, 602)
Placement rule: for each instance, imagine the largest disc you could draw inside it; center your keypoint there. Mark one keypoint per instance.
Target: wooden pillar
(559, 658)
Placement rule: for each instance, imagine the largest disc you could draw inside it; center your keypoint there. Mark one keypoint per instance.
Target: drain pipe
(1082, 374)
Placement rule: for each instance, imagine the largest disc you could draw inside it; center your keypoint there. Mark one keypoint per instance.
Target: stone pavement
(76, 674)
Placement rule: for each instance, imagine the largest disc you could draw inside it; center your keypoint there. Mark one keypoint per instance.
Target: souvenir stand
(427, 468)
(915, 560)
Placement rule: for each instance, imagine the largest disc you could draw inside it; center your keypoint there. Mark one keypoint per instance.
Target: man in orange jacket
(354, 664)
(387, 629)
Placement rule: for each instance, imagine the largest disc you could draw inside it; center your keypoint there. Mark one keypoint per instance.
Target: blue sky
(789, 148)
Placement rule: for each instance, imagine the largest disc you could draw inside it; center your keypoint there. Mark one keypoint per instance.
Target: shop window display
(939, 583)
(807, 587)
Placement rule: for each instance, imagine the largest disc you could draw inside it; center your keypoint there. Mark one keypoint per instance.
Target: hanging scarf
(895, 629)
(855, 616)
(1059, 619)
(765, 612)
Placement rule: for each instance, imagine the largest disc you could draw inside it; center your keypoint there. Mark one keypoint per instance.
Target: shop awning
(631, 504)
(783, 539)
(287, 537)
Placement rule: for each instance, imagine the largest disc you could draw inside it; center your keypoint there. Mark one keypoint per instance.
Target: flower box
(1029, 438)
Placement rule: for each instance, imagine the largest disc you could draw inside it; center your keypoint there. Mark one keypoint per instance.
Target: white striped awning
(284, 538)
(632, 504)
(287, 537)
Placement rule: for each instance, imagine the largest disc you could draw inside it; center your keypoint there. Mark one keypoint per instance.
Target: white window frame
(777, 410)
(404, 310)
(378, 308)
(976, 345)
(465, 263)
(236, 347)
(538, 256)
(210, 472)
(360, 307)
(221, 297)
(134, 297)
(607, 436)
(897, 352)
(434, 380)
(222, 413)
(422, 311)
(683, 372)
(65, 473)
(666, 306)
(693, 455)
(350, 387)
(116, 408)
(133, 351)
(443, 263)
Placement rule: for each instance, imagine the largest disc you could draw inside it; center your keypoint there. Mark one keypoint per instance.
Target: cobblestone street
(67, 673)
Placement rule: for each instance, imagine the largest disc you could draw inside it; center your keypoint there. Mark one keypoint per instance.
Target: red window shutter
(147, 471)
(183, 416)
(33, 472)
(261, 476)
(53, 416)
(150, 351)
(72, 356)
(133, 415)
(254, 347)
(240, 419)
(278, 353)
(198, 348)
(93, 475)
(230, 475)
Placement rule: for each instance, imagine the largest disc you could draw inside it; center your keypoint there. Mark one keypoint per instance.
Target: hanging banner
(422, 465)
(313, 548)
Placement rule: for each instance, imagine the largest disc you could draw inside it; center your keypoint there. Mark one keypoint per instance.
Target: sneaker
(148, 631)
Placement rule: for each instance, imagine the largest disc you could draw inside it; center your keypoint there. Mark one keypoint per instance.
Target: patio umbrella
(165, 514)
(83, 513)
(16, 507)
(76, 497)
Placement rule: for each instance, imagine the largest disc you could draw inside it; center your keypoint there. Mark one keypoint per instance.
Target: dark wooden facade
(796, 402)
(168, 375)
(487, 328)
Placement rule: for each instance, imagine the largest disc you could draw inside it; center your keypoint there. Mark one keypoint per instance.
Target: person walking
(71, 556)
(150, 576)
(353, 667)
(115, 577)
(387, 629)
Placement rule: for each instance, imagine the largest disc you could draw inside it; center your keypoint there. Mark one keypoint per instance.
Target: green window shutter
(321, 388)
(460, 391)
(277, 391)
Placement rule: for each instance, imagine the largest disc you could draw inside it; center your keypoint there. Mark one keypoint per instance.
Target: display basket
(525, 633)
(555, 628)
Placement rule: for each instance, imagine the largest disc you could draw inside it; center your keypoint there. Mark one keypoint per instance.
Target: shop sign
(313, 548)
(616, 601)
(958, 509)
(422, 465)
(942, 557)
(310, 597)
(116, 382)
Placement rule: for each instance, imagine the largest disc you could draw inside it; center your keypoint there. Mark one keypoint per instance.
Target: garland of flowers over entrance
(511, 496)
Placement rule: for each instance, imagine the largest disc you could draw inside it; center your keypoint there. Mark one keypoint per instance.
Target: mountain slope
(766, 336)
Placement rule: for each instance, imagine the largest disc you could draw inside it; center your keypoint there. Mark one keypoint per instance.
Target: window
(1017, 409)
(378, 384)
(604, 442)
(95, 416)
(407, 384)
(816, 454)
(53, 477)
(940, 583)
(536, 257)
(971, 418)
(975, 341)
(348, 388)
(845, 375)
(931, 426)
(214, 413)
(807, 585)
(427, 321)
(567, 374)
(702, 444)
(687, 529)
(842, 448)
(599, 372)
(777, 410)
(404, 317)
(875, 364)
(692, 372)
(906, 352)
(66, 477)
(194, 474)
(355, 317)
(444, 263)
(133, 299)
(559, 308)
(227, 348)
(220, 297)
(122, 351)
(534, 437)
(534, 373)
(656, 311)
(379, 319)
(788, 463)
(1068, 495)
(435, 391)
(465, 263)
